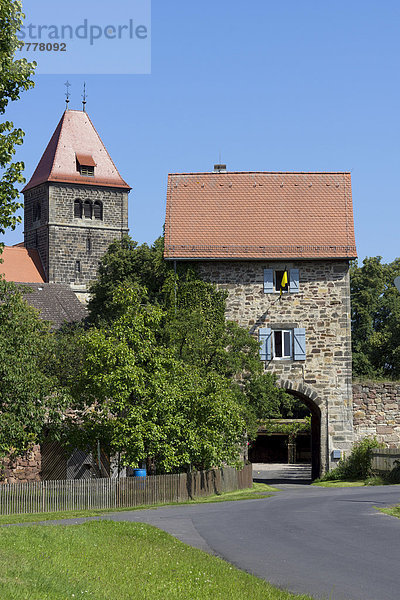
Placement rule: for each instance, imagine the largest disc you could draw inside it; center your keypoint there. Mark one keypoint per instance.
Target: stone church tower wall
(70, 247)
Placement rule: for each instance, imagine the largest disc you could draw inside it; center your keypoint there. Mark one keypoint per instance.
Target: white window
(282, 344)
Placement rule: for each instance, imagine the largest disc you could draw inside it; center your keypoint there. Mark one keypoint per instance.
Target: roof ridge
(61, 122)
(263, 173)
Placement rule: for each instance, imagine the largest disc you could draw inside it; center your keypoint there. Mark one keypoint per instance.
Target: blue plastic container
(139, 473)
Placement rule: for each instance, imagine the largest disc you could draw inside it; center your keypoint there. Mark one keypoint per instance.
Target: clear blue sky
(292, 85)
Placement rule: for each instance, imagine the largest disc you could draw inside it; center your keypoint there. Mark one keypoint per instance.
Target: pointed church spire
(75, 142)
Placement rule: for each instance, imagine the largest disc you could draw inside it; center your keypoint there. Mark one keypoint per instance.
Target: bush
(394, 476)
(357, 465)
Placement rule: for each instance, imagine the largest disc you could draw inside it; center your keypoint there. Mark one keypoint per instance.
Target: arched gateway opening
(315, 435)
(307, 445)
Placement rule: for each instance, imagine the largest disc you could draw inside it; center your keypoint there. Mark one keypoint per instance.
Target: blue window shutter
(268, 281)
(293, 281)
(299, 344)
(264, 337)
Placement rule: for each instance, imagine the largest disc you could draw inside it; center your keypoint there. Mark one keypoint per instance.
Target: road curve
(330, 543)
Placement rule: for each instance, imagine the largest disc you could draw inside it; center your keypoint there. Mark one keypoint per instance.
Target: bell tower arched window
(78, 209)
(98, 210)
(87, 209)
(36, 211)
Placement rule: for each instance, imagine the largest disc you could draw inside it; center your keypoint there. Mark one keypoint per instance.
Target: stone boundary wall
(22, 469)
(376, 412)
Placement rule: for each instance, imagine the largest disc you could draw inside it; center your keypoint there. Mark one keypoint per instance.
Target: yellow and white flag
(284, 281)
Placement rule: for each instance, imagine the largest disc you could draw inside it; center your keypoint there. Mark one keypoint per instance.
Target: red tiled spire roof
(76, 137)
(22, 265)
(259, 215)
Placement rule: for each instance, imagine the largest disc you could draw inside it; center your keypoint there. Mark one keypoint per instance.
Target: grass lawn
(106, 561)
(376, 480)
(338, 483)
(393, 511)
(259, 490)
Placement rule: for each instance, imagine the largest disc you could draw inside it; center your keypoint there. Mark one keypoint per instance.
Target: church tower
(76, 203)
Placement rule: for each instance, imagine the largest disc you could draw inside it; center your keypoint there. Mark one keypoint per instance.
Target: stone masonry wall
(68, 236)
(23, 468)
(322, 307)
(70, 248)
(377, 412)
(36, 231)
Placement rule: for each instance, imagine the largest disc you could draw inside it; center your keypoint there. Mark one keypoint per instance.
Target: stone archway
(318, 423)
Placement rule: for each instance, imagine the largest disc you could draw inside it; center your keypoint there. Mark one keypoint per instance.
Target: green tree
(137, 397)
(208, 368)
(196, 329)
(29, 398)
(375, 315)
(126, 262)
(269, 402)
(194, 326)
(15, 76)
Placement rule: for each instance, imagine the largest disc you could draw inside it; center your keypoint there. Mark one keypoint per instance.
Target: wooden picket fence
(51, 496)
(384, 459)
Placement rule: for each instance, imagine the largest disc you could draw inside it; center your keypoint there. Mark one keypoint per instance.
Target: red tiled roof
(75, 135)
(256, 215)
(22, 265)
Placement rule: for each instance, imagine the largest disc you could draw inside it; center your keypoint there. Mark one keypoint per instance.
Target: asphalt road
(330, 543)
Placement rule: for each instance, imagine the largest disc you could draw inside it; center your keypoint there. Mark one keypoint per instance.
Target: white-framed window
(273, 281)
(282, 345)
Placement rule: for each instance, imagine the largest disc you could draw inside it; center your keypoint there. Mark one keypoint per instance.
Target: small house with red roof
(280, 243)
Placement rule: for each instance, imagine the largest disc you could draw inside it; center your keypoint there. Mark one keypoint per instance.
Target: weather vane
(84, 96)
(67, 85)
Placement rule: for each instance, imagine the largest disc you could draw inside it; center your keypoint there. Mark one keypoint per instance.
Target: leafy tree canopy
(135, 395)
(15, 76)
(29, 399)
(126, 262)
(375, 316)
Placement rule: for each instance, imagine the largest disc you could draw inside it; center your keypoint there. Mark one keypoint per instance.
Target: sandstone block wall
(322, 307)
(23, 468)
(377, 412)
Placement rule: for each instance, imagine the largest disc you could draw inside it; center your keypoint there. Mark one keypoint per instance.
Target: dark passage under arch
(315, 432)
(276, 447)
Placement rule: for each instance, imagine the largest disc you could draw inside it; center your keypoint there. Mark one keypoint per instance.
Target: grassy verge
(338, 483)
(377, 480)
(259, 490)
(393, 511)
(106, 561)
